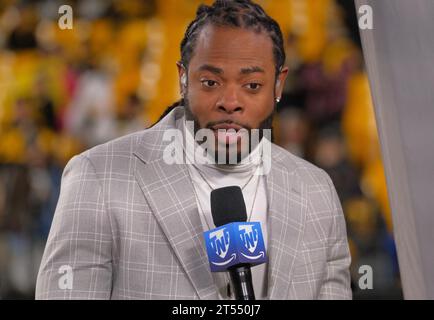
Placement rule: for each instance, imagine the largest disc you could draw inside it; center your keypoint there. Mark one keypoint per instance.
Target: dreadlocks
(231, 13)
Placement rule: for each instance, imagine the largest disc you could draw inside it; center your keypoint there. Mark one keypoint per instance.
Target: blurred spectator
(90, 114)
(330, 154)
(45, 105)
(293, 131)
(22, 35)
(372, 246)
(132, 119)
(325, 81)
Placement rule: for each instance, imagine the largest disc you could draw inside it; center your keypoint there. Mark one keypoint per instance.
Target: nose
(229, 101)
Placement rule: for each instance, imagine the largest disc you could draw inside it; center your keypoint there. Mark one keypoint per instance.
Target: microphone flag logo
(235, 243)
(220, 242)
(249, 236)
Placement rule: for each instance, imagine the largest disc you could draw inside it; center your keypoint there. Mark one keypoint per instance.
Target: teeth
(228, 136)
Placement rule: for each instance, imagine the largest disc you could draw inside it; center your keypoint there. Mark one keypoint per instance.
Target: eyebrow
(219, 71)
(252, 70)
(210, 68)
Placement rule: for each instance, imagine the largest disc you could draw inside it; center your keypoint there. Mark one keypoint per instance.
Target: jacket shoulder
(121, 147)
(306, 171)
(148, 143)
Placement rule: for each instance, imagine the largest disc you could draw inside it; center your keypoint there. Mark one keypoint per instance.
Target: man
(129, 223)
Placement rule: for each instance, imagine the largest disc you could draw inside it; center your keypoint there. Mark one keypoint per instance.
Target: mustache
(267, 123)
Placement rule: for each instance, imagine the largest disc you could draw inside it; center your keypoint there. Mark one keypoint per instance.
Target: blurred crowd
(64, 91)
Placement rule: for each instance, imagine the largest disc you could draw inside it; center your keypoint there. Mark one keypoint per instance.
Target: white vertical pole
(399, 56)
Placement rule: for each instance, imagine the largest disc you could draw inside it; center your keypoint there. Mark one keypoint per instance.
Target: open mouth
(227, 126)
(228, 133)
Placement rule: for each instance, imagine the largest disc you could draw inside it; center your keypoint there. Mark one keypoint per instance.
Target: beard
(267, 123)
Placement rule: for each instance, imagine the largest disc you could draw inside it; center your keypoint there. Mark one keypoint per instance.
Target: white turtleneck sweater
(219, 176)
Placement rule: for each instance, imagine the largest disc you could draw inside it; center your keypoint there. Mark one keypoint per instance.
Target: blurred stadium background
(63, 91)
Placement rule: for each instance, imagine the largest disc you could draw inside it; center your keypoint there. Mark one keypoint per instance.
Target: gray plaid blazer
(127, 226)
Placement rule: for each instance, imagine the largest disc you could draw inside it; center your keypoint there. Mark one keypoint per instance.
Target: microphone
(234, 245)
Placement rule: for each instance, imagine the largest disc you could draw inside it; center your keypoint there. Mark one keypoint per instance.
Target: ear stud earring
(184, 80)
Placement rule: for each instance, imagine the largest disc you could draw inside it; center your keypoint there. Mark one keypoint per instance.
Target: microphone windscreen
(227, 205)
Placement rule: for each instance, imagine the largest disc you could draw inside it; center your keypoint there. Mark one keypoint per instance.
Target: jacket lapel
(286, 220)
(169, 193)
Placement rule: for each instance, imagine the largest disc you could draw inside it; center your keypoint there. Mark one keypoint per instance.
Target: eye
(209, 83)
(253, 86)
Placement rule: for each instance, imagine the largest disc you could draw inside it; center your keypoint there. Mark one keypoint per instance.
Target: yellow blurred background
(114, 72)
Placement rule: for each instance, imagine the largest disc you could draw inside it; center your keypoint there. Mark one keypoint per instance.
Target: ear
(182, 78)
(280, 82)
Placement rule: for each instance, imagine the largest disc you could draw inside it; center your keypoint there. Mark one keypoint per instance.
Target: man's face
(231, 82)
